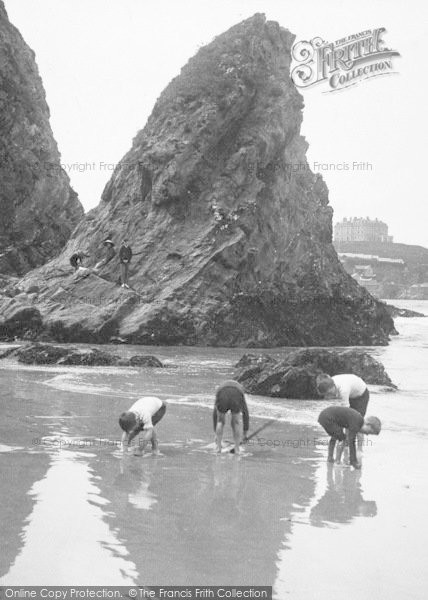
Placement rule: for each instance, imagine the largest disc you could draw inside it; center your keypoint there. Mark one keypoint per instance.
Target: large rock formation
(38, 208)
(231, 230)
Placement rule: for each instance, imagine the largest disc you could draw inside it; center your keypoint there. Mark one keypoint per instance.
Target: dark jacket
(76, 259)
(125, 254)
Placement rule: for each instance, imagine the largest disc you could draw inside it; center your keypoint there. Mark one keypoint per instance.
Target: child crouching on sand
(350, 389)
(142, 416)
(335, 419)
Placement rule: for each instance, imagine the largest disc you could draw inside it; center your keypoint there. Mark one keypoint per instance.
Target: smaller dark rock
(48, 354)
(8, 352)
(90, 358)
(145, 360)
(286, 381)
(41, 354)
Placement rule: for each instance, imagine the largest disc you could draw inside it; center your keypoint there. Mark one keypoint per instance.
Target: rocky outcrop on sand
(294, 376)
(48, 354)
(231, 231)
(38, 207)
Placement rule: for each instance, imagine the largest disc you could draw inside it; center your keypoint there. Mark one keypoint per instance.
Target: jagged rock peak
(38, 207)
(231, 230)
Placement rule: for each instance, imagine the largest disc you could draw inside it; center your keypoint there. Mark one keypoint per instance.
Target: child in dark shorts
(337, 419)
(230, 397)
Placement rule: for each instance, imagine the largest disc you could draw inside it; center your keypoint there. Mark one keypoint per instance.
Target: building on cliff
(356, 229)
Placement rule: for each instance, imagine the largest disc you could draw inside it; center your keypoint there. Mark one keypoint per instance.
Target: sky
(105, 62)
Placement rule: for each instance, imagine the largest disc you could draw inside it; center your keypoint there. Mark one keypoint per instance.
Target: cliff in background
(393, 280)
(38, 208)
(233, 243)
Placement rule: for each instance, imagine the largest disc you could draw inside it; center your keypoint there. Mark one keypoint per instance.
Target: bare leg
(331, 445)
(219, 433)
(124, 442)
(236, 428)
(155, 445)
(126, 273)
(147, 435)
(339, 451)
(352, 450)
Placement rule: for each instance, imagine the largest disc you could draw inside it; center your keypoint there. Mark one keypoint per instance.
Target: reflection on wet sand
(343, 499)
(66, 541)
(136, 476)
(210, 518)
(339, 498)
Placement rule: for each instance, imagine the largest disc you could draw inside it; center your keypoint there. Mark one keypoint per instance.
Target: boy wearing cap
(230, 396)
(142, 416)
(336, 419)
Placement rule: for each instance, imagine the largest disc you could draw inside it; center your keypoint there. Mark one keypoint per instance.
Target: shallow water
(74, 511)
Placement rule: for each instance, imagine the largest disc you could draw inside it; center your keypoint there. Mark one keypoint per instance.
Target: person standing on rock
(143, 415)
(230, 396)
(336, 419)
(125, 255)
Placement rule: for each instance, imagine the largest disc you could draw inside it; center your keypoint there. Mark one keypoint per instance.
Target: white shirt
(349, 386)
(145, 408)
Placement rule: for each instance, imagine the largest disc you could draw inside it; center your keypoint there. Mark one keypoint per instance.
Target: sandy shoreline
(76, 513)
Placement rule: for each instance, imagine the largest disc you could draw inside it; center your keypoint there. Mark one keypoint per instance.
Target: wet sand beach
(74, 511)
(181, 518)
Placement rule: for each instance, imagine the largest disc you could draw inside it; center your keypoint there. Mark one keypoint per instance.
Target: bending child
(335, 419)
(347, 387)
(143, 415)
(230, 397)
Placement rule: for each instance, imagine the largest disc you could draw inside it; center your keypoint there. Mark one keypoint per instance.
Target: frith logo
(343, 63)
